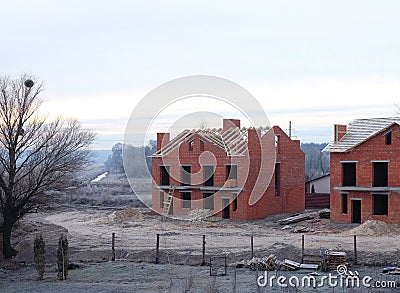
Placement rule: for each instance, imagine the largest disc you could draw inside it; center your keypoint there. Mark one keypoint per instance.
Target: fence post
(302, 248)
(1, 244)
(252, 246)
(157, 248)
(355, 249)
(203, 262)
(113, 247)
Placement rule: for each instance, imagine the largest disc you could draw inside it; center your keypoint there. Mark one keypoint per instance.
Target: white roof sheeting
(359, 131)
(233, 140)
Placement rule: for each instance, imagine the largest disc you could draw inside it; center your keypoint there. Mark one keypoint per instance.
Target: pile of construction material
(332, 259)
(298, 218)
(327, 260)
(267, 263)
(295, 219)
(303, 229)
(293, 265)
(199, 215)
(271, 263)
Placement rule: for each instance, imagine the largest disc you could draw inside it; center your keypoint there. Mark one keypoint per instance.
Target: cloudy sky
(315, 63)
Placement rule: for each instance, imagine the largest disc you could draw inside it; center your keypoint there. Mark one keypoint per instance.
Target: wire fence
(222, 255)
(196, 249)
(218, 253)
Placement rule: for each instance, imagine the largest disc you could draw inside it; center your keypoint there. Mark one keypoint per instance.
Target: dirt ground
(89, 234)
(89, 217)
(122, 276)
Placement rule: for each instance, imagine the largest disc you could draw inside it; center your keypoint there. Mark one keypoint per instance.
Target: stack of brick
(332, 259)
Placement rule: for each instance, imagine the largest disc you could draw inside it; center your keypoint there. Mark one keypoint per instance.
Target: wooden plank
(309, 266)
(291, 263)
(295, 219)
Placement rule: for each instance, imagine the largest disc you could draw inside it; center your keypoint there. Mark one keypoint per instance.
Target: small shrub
(39, 256)
(62, 258)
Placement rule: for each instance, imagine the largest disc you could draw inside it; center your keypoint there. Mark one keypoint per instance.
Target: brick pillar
(254, 147)
(162, 140)
(339, 132)
(254, 142)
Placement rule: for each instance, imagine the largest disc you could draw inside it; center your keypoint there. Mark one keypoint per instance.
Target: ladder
(168, 201)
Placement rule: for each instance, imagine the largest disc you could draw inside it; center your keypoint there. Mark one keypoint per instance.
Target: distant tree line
(137, 159)
(317, 162)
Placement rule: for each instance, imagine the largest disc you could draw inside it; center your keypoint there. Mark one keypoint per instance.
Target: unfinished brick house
(217, 169)
(365, 168)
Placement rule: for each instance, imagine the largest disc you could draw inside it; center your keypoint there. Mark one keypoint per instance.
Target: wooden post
(113, 247)
(252, 246)
(157, 248)
(203, 262)
(302, 248)
(1, 244)
(355, 249)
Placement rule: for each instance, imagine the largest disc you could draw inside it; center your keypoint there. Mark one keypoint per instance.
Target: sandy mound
(373, 228)
(128, 215)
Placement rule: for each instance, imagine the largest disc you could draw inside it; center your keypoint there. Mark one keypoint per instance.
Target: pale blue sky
(313, 62)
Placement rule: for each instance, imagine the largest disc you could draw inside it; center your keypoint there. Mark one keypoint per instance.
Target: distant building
(205, 168)
(365, 168)
(320, 184)
(318, 192)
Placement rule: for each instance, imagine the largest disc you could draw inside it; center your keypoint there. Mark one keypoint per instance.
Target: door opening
(356, 211)
(226, 211)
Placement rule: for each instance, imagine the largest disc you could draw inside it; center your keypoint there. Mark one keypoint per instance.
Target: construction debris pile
(267, 263)
(307, 222)
(303, 229)
(332, 259)
(271, 263)
(199, 214)
(326, 260)
(298, 218)
(295, 219)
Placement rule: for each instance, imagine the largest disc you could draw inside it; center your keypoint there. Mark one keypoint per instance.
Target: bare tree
(35, 155)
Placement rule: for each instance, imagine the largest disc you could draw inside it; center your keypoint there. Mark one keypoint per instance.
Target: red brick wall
(292, 161)
(292, 198)
(317, 200)
(373, 149)
(339, 131)
(162, 139)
